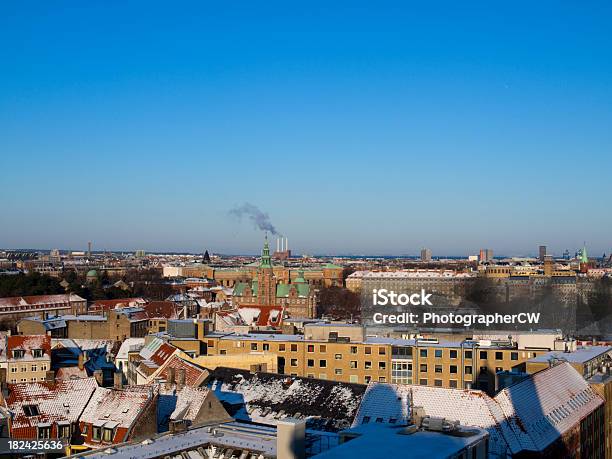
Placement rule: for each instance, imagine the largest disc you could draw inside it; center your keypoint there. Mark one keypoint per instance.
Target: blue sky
(359, 128)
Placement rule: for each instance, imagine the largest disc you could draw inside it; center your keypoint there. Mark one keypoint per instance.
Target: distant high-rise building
(425, 254)
(486, 255)
(542, 252)
(206, 258)
(140, 254)
(566, 254)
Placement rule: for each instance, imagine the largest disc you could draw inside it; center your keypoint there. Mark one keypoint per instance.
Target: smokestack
(286, 244)
(170, 379)
(278, 244)
(180, 379)
(290, 439)
(118, 380)
(282, 244)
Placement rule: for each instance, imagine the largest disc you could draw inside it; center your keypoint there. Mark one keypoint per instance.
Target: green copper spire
(583, 255)
(266, 261)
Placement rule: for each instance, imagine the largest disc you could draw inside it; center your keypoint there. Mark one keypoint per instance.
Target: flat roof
(580, 355)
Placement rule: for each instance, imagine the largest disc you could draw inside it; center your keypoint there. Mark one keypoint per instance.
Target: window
(323, 363)
(107, 434)
(353, 378)
(453, 369)
(382, 379)
(253, 346)
(423, 368)
(381, 351)
(468, 354)
(310, 348)
(322, 348)
(438, 369)
(353, 364)
(211, 343)
(366, 419)
(423, 353)
(382, 365)
(438, 353)
(34, 367)
(310, 375)
(310, 362)
(44, 431)
(223, 352)
(483, 355)
(84, 430)
(338, 356)
(266, 346)
(499, 355)
(514, 356)
(353, 349)
(96, 433)
(468, 369)
(31, 410)
(13, 369)
(18, 353)
(367, 365)
(423, 382)
(452, 383)
(63, 431)
(338, 371)
(294, 362)
(281, 347)
(294, 348)
(367, 379)
(438, 382)
(368, 350)
(453, 354)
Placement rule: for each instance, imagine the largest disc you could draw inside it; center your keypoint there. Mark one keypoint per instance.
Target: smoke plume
(259, 219)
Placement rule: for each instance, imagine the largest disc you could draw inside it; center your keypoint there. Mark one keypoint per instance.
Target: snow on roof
(390, 403)
(118, 405)
(130, 345)
(546, 405)
(179, 404)
(194, 374)
(28, 343)
(236, 436)
(580, 355)
(527, 415)
(261, 316)
(57, 401)
(39, 300)
(70, 373)
(268, 397)
(380, 441)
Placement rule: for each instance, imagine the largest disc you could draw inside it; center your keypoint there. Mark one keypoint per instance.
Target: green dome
(92, 273)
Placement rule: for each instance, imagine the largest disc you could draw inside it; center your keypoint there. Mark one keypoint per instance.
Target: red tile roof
(105, 305)
(28, 343)
(266, 317)
(162, 354)
(162, 309)
(194, 375)
(56, 401)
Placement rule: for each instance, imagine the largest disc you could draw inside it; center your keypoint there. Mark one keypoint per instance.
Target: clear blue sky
(366, 127)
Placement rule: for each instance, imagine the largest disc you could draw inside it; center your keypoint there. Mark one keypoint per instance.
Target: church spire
(266, 261)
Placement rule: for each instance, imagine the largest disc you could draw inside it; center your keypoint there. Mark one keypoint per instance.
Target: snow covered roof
(235, 437)
(57, 401)
(179, 404)
(528, 415)
(380, 441)
(580, 355)
(120, 406)
(268, 397)
(28, 343)
(194, 374)
(129, 345)
(261, 316)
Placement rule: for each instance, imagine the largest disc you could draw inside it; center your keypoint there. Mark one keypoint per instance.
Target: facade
(118, 324)
(28, 358)
(342, 352)
(297, 297)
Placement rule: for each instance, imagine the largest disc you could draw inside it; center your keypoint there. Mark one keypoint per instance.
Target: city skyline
(356, 130)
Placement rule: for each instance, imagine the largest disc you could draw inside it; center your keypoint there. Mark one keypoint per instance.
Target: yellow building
(28, 358)
(342, 352)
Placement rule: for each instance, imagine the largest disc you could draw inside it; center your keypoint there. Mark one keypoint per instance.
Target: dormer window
(37, 353)
(18, 353)
(31, 410)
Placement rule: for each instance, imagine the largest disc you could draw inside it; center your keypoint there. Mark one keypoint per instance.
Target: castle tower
(266, 283)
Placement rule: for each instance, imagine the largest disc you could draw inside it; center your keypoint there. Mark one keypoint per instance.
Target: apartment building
(343, 352)
(19, 307)
(28, 358)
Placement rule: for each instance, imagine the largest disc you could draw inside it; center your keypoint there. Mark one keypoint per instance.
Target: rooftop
(580, 355)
